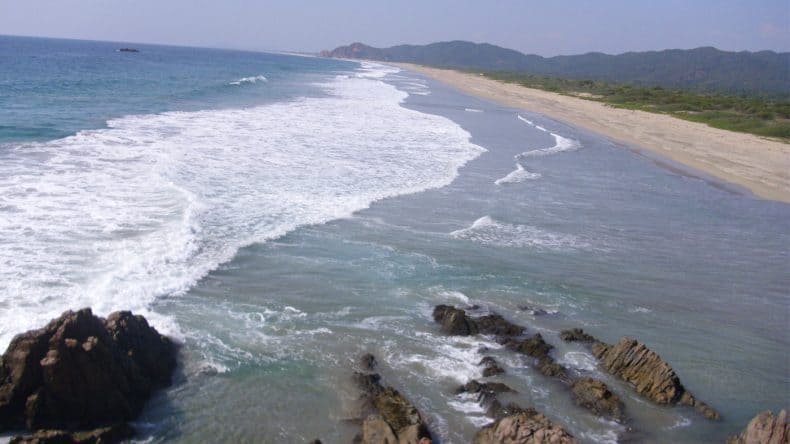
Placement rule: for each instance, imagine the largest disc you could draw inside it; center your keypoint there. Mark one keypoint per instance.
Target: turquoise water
(281, 227)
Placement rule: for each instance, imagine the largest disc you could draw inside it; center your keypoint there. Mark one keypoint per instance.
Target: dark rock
(549, 367)
(104, 435)
(532, 310)
(498, 326)
(765, 428)
(368, 383)
(534, 346)
(492, 367)
(454, 320)
(525, 427)
(486, 391)
(652, 378)
(83, 372)
(367, 363)
(595, 396)
(576, 335)
(475, 386)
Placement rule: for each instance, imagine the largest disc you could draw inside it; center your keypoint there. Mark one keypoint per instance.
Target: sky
(549, 27)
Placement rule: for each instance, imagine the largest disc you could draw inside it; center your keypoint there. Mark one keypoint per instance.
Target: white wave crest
(115, 218)
(517, 175)
(561, 144)
(254, 79)
(489, 231)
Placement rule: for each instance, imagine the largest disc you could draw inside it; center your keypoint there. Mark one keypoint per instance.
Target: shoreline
(761, 166)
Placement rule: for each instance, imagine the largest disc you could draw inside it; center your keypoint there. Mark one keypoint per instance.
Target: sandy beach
(757, 164)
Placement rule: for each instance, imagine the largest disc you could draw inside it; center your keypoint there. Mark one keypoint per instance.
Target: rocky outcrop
(102, 435)
(765, 428)
(576, 335)
(486, 392)
(389, 417)
(82, 372)
(496, 325)
(588, 393)
(356, 51)
(491, 367)
(539, 349)
(651, 376)
(454, 321)
(525, 427)
(595, 396)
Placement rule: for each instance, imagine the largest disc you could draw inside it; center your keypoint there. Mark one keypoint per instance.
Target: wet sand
(758, 164)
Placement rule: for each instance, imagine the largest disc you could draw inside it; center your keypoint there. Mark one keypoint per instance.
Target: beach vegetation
(762, 115)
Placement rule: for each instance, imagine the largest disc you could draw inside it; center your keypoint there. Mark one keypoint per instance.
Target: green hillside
(707, 70)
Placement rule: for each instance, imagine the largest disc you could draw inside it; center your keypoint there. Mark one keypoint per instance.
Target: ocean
(280, 215)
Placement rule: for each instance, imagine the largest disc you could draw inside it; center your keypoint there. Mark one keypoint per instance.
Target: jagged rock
(103, 435)
(376, 431)
(533, 346)
(765, 428)
(549, 367)
(486, 391)
(494, 324)
(595, 396)
(385, 406)
(497, 410)
(576, 335)
(83, 372)
(454, 320)
(525, 427)
(536, 347)
(653, 378)
(492, 367)
(396, 409)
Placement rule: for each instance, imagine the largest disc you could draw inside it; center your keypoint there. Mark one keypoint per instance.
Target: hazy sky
(543, 27)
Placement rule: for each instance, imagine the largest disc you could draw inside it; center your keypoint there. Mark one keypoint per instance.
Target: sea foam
(517, 175)
(115, 218)
(489, 231)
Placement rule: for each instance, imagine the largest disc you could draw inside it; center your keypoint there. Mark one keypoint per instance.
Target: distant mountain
(702, 69)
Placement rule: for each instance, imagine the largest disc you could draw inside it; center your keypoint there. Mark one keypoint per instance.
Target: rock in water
(576, 335)
(653, 378)
(492, 367)
(525, 427)
(83, 372)
(454, 320)
(389, 416)
(498, 326)
(765, 428)
(595, 396)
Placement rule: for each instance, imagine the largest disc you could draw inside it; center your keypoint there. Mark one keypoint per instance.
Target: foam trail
(488, 231)
(473, 110)
(529, 122)
(517, 175)
(115, 218)
(561, 144)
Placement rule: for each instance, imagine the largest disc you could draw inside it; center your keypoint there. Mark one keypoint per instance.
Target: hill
(706, 69)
